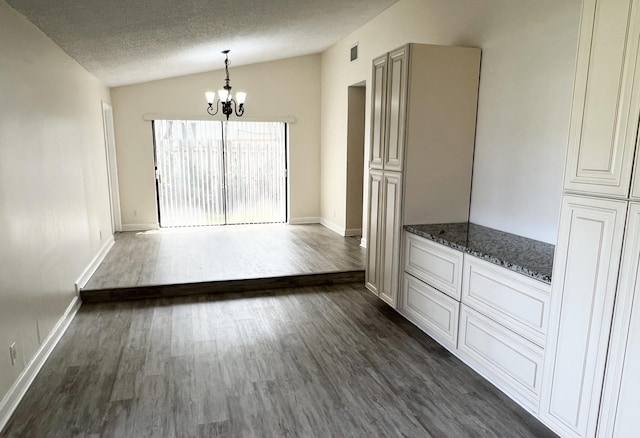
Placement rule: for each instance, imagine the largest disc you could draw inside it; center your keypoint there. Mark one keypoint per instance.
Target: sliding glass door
(215, 173)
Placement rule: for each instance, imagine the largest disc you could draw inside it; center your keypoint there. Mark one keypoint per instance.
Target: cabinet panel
(435, 264)
(585, 274)
(606, 102)
(391, 218)
(397, 108)
(434, 312)
(621, 397)
(508, 360)
(513, 300)
(372, 276)
(378, 111)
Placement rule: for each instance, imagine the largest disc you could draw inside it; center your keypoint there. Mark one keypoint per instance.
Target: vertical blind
(215, 173)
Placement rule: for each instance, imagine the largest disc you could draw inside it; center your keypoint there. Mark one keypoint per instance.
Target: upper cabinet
(606, 101)
(378, 111)
(389, 107)
(396, 109)
(424, 97)
(389, 79)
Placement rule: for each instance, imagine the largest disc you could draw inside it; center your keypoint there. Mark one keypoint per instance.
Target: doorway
(355, 158)
(220, 173)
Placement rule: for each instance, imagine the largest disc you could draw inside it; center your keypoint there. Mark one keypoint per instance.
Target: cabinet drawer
(431, 310)
(514, 300)
(435, 264)
(506, 359)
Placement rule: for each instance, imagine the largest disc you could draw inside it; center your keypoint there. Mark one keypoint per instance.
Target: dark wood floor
(318, 361)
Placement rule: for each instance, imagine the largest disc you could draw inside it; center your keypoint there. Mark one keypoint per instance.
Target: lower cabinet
(384, 234)
(508, 360)
(587, 260)
(498, 324)
(621, 394)
(391, 222)
(519, 303)
(431, 310)
(372, 273)
(434, 264)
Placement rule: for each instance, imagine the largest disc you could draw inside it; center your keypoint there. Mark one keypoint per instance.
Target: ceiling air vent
(354, 52)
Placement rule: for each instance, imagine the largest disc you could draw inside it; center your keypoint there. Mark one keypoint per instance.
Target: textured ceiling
(130, 41)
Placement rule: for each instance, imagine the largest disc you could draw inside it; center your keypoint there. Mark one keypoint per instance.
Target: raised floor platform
(188, 261)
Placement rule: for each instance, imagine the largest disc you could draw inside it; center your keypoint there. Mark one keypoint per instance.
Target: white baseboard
(304, 220)
(93, 265)
(353, 232)
(10, 401)
(363, 242)
(139, 227)
(333, 227)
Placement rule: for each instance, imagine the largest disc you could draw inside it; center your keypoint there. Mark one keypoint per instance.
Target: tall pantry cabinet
(423, 114)
(591, 381)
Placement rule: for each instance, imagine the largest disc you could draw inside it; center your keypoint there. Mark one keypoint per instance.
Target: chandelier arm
(238, 109)
(210, 109)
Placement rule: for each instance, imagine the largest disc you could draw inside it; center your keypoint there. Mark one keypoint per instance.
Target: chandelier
(225, 100)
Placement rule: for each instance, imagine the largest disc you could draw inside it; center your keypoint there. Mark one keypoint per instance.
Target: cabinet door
(435, 264)
(378, 111)
(372, 274)
(583, 290)
(396, 108)
(392, 224)
(517, 302)
(431, 310)
(506, 359)
(606, 99)
(621, 398)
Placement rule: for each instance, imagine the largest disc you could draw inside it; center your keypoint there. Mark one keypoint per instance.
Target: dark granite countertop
(520, 254)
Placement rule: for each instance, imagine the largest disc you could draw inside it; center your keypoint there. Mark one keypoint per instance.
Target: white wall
(53, 185)
(289, 87)
(529, 51)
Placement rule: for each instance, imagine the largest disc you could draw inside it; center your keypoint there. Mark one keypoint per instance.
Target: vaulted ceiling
(130, 41)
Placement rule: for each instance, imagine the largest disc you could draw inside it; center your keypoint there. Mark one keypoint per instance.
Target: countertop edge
(543, 278)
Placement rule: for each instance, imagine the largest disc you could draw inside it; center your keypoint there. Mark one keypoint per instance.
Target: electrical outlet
(13, 352)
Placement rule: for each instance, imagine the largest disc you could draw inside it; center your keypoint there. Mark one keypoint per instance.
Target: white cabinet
(498, 329)
(606, 102)
(585, 275)
(378, 111)
(434, 264)
(423, 113)
(588, 276)
(372, 273)
(508, 360)
(431, 288)
(431, 310)
(515, 301)
(391, 231)
(621, 397)
(383, 242)
(397, 89)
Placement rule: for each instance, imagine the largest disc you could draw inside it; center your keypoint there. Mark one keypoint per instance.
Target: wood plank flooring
(316, 361)
(190, 261)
